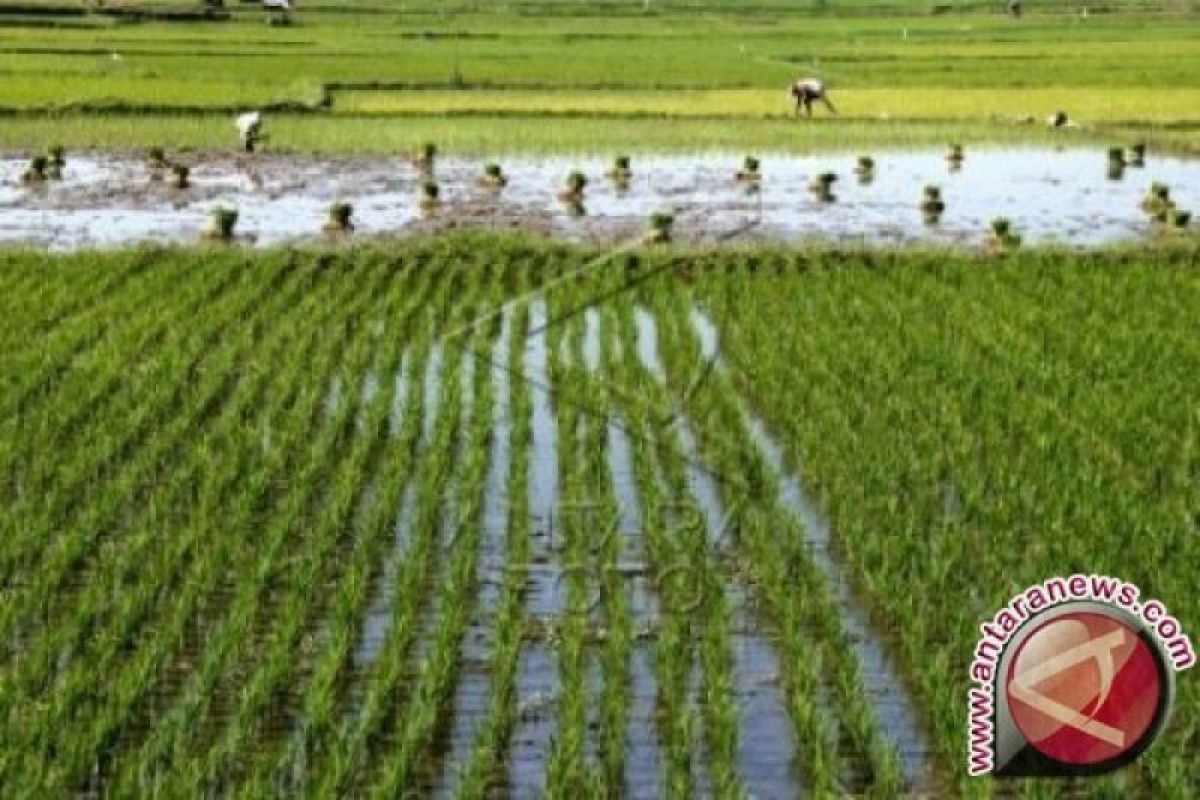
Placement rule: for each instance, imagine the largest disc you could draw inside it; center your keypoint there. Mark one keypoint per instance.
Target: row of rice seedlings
(736, 455)
(51, 484)
(231, 614)
(426, 709)
(769, 523)
(347, 759)
(668, 564)
(132, 667)
(614, 718)
(288, 618)
(62, 627)
(315, 720)
(567, 770)
(369, 518)
(472, 695)
(484, 768)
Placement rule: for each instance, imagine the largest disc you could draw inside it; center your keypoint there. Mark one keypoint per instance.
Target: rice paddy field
(690, 478)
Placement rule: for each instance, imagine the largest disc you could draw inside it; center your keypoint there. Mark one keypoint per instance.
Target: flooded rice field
(1069, 196)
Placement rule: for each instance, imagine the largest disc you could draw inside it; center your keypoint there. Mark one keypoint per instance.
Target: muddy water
(473, 690)
(894, 709)
(1050, 194)
(537, 673)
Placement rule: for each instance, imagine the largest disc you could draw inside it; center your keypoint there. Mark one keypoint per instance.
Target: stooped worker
(807, 91)
(249, 127)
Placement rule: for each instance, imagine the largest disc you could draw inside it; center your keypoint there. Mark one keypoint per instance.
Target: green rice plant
(223, 220)
(573, 191)
(425, 157)
(1002, 238)
(1116, 156)
(56, 156)
(659, 231)
(865, 170)
(620, 171)
(179, 176)
(37, 171)
(1158, 199)
(931, 200)
(338, 220)
(750, 170)
(821, 186)
(955, 154)
(430, 196)
(1137, 154)
(156, 158)
(493, 177)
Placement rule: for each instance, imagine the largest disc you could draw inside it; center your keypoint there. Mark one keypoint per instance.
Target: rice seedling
(156, 158)
(955, 154)
(425, 157)
(659, 231)
(37, 171)
(821, 186)
(865, 170)
(222, 223)
(56, 157)
(573, 190)
(1158, 199)
(1116, 157)
(1001, 236)
(1137, 154)
(620, 171)
(180, 174)
(338, 220)
(749, 173)
(430, 196)
(493, 177)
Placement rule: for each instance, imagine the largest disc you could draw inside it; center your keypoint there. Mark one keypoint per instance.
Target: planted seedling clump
(932, 204)
(430, 196)
(573, 192)
(822, 186)
(426, 156)
(865, 169)
(750, 170)
(36, 171)
(1158, 200)
(223, 222)
(1137, 154)
(661, 223)
(339, 218)
(493, 177)
(179, 176)
(56, 158)
(955, 155)
(620, 171)
(156, 158)
(1002, 237)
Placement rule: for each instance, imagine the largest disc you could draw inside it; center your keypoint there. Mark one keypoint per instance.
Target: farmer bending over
(807, 91)
(249, 127)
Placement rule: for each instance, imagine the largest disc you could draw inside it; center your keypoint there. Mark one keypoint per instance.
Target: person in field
(807, 91)
(249, 127)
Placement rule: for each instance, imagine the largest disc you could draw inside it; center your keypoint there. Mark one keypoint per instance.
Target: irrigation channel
(1061, 195)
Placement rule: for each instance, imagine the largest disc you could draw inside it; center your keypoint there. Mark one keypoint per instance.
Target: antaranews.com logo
(1075, 676)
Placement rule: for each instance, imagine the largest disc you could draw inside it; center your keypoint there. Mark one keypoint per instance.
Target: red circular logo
(1084, 688)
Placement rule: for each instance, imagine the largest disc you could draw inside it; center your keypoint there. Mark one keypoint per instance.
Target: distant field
(663, 67)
